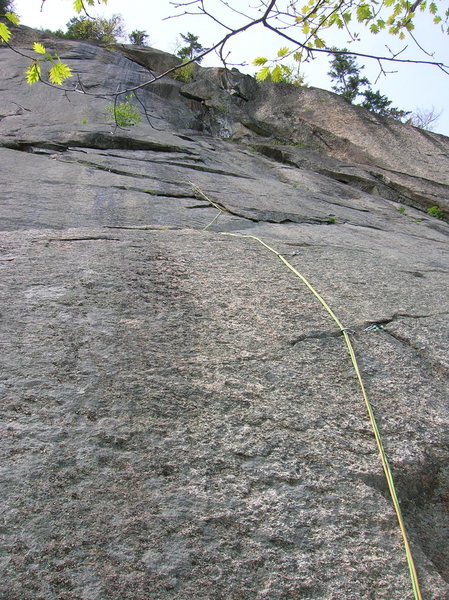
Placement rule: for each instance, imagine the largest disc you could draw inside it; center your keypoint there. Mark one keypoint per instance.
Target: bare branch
(425, 118)
(144, 108)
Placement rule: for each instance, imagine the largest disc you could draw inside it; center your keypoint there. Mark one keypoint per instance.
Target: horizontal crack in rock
(407, 316)
(155, 193)
(206, 169)
(84, 239)
(373, 326)
(315, 336)
(143, 227)
(146, 159)
(88, 163)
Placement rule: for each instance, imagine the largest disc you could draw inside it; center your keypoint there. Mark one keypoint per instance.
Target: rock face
(180, 417)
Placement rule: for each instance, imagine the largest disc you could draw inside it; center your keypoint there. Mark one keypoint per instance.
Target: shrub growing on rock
(124, 113)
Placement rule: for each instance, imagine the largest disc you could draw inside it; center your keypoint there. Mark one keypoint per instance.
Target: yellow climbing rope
(372, 418)
(383, 456)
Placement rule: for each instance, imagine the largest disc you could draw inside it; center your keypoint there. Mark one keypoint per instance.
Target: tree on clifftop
(103, 30)
(381, 105)
(139, 37)
(191, 49)
(346, 74)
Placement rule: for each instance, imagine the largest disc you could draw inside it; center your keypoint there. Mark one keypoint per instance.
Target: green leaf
(283, 51)
(78, 6)
(59, 73)
(437, 20)
(37, 47)
(263, 73)
(374, 28)
(33, 73)
(259, 61)
(363, 12)
(319, 43)
(5, 34)
(297, 56)
(276, 74)
(397, 10)
(433, 8)
(11, 16)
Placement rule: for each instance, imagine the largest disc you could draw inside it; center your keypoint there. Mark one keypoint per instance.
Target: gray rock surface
(180, 417)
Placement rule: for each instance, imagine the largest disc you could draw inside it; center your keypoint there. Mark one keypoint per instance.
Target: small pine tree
(139, 37)
(380, 104)
(346, 74)
(192, 48)
(348, 83)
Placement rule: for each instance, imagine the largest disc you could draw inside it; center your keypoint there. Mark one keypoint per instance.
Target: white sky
(412, 87)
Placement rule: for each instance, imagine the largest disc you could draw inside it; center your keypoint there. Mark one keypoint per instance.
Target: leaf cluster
(395, 16)
(309, 23)
(279, 72)
(57, 73)
(5, 32)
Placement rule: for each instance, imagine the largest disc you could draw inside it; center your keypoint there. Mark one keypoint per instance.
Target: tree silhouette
(138, 37)
(192, 48)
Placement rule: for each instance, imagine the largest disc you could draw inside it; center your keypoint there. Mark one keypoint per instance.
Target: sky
(410, 87)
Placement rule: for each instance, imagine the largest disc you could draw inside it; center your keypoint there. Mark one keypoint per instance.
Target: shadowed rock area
(181, 419)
